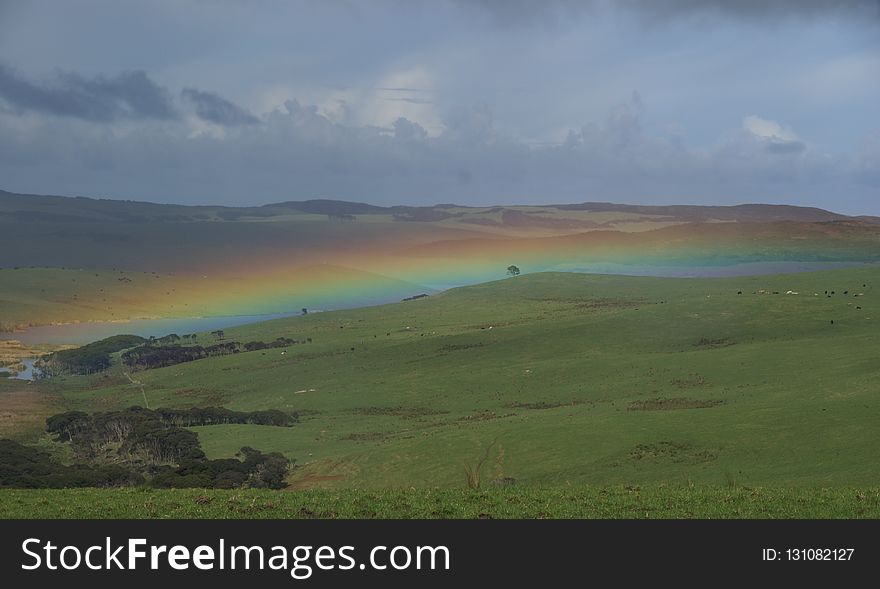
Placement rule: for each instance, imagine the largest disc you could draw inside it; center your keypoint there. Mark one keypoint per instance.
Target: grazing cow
(832, 322)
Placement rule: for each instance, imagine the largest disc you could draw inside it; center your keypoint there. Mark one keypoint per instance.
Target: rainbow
(366, 267)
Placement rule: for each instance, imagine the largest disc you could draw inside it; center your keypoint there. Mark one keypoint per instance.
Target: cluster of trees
(87, 359)
(141, 353)
(150, 436)
(139, 446)
(281, 342)
(24, 467)
(153, 356)
(172, 338)
(255, 469)
(150, 355)
(132, 435)
(30, 468)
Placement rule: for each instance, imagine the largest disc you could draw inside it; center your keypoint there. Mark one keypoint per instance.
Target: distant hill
(329, 207)
(440, 245)
(746, 212)
(47, 208)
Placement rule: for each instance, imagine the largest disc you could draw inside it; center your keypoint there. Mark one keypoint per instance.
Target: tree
(513, 270)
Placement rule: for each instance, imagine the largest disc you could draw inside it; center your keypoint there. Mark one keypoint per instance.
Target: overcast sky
(420, 102)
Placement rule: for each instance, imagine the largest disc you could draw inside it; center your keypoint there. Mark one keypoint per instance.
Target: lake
(718, 271)
(29, 372)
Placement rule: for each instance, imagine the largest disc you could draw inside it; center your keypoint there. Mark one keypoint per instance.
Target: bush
(172, 445)
(255, 470)
(25, 467)
(66, 425)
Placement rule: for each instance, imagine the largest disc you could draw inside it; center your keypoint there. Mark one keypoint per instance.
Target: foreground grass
(618, 502)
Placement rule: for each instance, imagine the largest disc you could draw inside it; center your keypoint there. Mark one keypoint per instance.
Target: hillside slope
(561, 378)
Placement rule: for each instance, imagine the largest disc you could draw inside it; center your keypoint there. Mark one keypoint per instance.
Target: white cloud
(405, 93)
(767, 129)
(775, 138)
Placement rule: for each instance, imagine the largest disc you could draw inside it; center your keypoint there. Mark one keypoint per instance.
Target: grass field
(24, 409)
(557, 379)
(573, 503)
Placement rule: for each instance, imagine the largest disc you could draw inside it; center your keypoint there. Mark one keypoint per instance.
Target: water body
(721, 271)
(83, 333)
(29, 372)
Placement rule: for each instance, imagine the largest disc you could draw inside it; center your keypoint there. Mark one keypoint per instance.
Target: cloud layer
(296, 152)
(419, 102)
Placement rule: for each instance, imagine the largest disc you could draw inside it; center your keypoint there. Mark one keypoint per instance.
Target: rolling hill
(561, 378)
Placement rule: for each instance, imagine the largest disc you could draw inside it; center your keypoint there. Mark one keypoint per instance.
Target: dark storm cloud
(216, 109)
(130, 95)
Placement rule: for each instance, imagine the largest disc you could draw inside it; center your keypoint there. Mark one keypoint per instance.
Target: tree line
(145, 353)
(150, 356)
(139, 446)
(87, 359)
(152, 436)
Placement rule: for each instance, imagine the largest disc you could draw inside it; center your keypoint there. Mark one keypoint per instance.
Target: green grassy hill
(557, 379)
